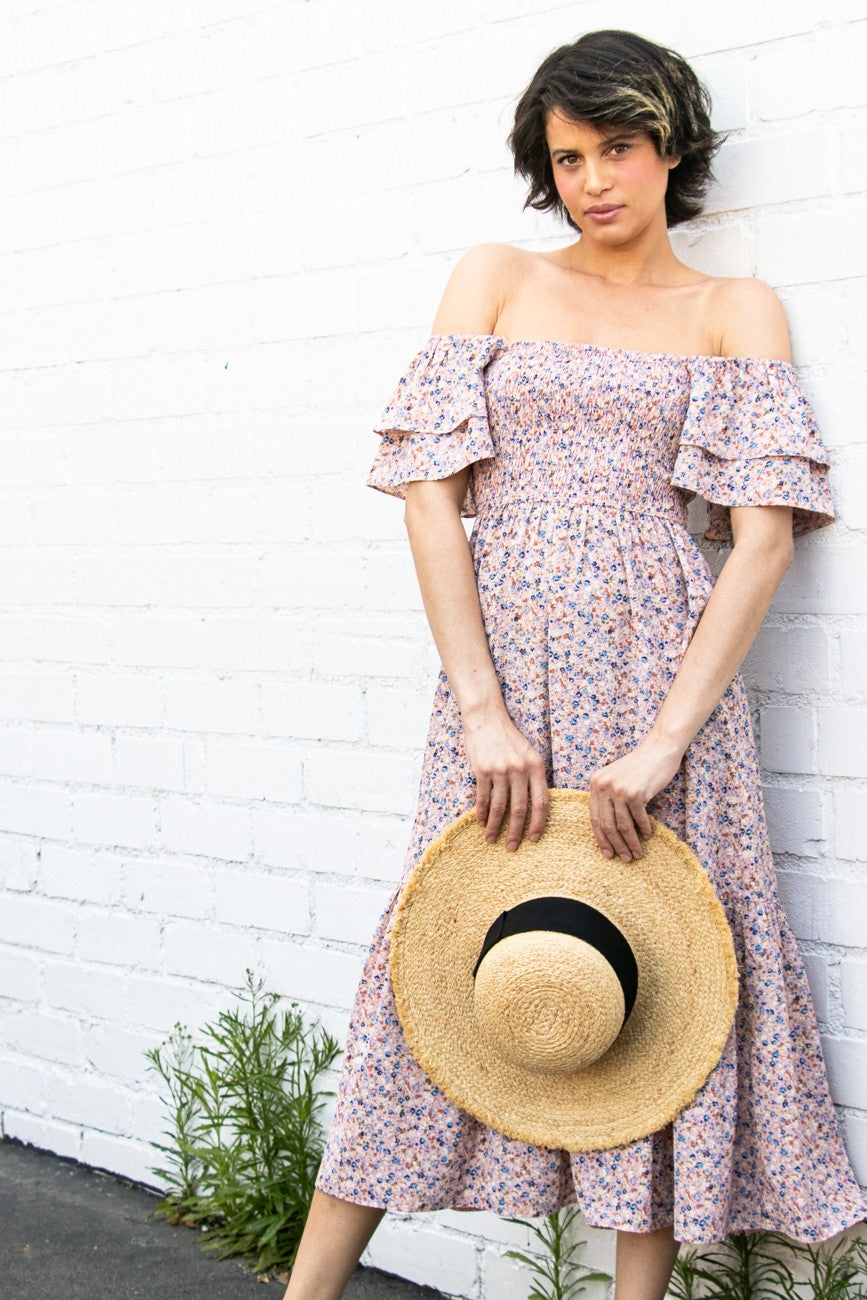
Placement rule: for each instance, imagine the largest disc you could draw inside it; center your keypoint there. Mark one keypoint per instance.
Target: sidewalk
(74, 1232)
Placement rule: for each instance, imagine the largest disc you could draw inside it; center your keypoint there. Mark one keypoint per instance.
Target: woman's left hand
(620, 791)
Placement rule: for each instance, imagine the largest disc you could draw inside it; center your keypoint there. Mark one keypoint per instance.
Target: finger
(518, 804)
(642, 820)
(499, 800)
(613, 832)
(628, 830)
(642, 824)
(596, 822)
(483, 799)
(539, 801)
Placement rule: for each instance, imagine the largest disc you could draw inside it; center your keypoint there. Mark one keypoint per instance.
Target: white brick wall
(224, 229)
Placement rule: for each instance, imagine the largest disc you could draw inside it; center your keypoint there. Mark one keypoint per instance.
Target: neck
(647, 259)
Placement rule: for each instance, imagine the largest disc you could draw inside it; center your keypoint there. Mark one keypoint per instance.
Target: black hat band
(570, 916)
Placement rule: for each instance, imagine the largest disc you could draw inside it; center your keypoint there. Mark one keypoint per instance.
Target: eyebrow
(606, 139)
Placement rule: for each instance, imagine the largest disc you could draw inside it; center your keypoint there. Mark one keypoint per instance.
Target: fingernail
(534, 838)
(607, 852)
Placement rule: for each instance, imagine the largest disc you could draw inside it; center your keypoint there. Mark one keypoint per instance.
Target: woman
(576, 401)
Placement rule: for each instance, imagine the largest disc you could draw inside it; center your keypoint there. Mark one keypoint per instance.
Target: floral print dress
(583, 461)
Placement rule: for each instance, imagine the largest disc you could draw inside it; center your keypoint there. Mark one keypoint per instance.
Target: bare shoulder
(476, 290)
(751, 319)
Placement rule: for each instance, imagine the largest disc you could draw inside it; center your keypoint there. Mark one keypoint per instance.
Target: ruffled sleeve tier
(436, 422)
(750, 439)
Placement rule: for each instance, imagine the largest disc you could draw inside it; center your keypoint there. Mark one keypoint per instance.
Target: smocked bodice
(570, 427)
(619, 429)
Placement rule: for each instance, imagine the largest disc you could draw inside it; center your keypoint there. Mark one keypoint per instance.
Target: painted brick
(168, 888)
(152, 762)
(114, 819)
(846, 1059)
(853, 986)
(426, 1256)
(399, 719)
(348, 913)
(19, 864)
(337, 778)
(842, 742)
(253, 771)
(782, 237)
(20, 975)
(381, 847)
(817, 973)
(47, 1037)
(819, 62)
(79, 874)
(115, 1051)
(856, 1145)
(92, 991)
(245, 643)
(47, 1135)
(35, 923)
(133, 1160)
(205, 953)
(113, 699)
(821, 908)
(854, 486)
(322, 976)
(215, 830)
(849, 804)
(157, 1003)
(152, 641)
(317, 841)
(75, 756)
(219, 705)
(788, 740)
(264, 902)
(38, 697)
(70, 640)
(77, 1096)
(309, 711)
(790, 659)
(116, 938)
(796, 820)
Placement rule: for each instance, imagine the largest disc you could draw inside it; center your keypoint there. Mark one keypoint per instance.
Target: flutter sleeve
(436, 422)
(750, 439)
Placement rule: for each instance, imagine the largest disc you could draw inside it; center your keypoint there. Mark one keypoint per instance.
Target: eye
(623, 145)
(567, 158)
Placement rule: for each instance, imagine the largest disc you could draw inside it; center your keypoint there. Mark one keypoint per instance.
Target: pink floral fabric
(583, 461)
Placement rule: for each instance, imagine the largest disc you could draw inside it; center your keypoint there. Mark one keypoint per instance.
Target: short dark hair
(615, 78)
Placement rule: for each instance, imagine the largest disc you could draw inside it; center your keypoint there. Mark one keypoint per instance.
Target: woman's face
(611, 169)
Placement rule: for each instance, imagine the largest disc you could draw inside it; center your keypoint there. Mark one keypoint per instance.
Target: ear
(672, 162)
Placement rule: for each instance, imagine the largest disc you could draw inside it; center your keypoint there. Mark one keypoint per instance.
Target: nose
(595, 181)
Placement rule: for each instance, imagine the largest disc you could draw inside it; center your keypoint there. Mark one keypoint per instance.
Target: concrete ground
(74, 1233)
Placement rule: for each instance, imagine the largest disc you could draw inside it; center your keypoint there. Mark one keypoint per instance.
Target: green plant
(558, 1269)
(744, 1269)
(245, 1138)
(687, 1277)
(835, 1272)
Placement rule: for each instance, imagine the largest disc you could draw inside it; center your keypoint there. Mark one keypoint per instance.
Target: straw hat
(591, 1012)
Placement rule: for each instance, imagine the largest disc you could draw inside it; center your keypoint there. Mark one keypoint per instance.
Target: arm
(509, 771)
(754, 325)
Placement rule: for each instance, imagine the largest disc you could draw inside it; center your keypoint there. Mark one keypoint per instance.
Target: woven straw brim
(667, 909)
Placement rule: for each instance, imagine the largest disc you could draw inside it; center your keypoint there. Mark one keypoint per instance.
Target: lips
(606, 207)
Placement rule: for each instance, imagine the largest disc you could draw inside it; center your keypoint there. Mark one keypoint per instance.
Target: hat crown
(547, 1001)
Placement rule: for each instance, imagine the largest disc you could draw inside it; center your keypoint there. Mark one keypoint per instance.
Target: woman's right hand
(510, 777)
